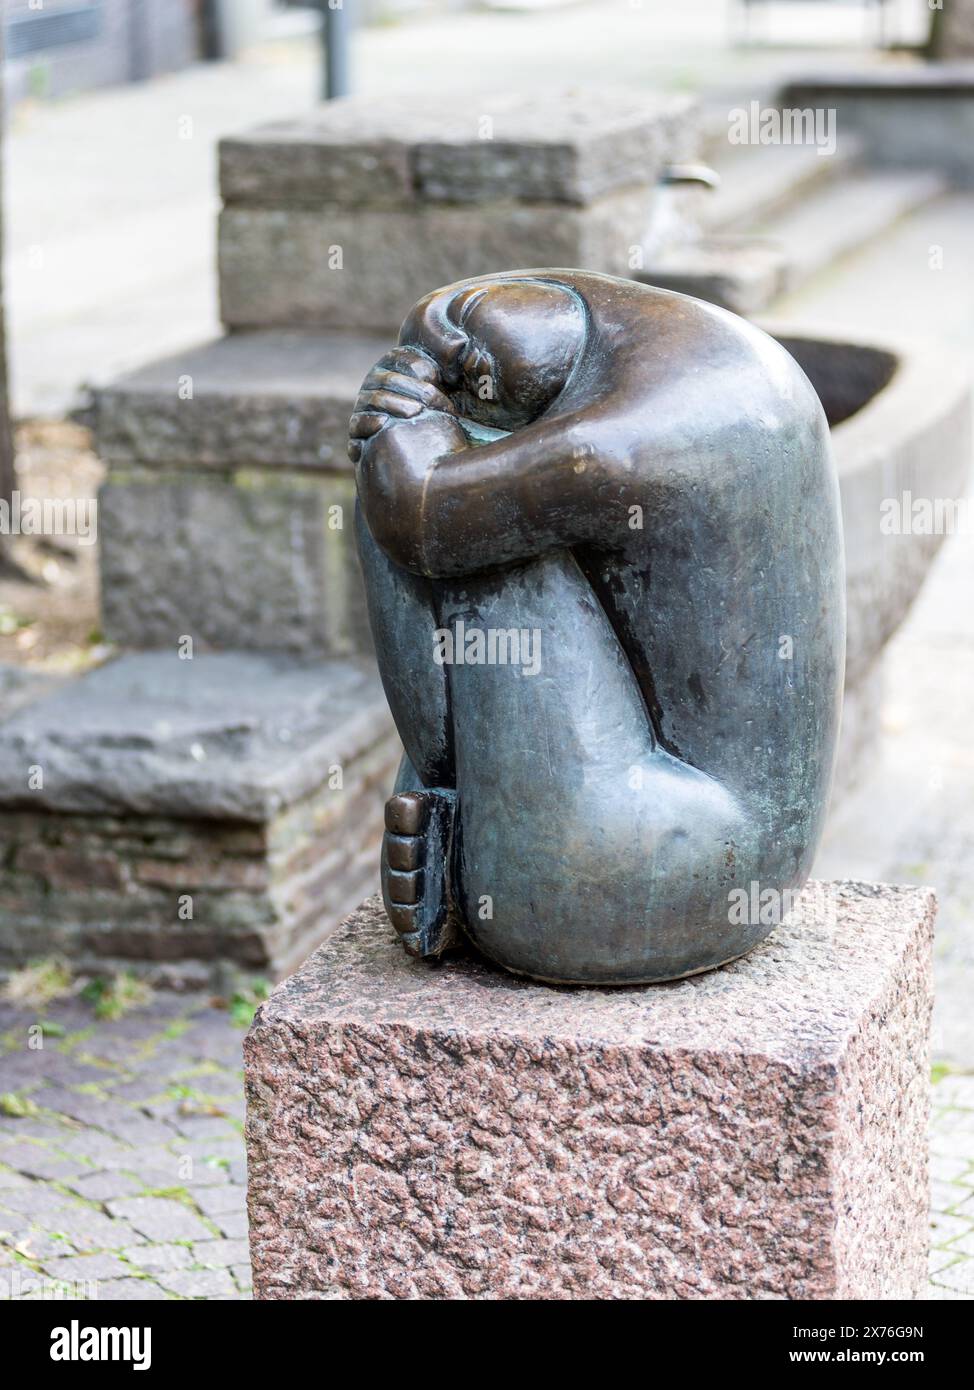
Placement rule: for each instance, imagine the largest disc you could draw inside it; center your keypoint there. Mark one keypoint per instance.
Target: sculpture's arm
(439, 507)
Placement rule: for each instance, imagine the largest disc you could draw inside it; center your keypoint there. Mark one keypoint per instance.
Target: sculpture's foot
(416, 855)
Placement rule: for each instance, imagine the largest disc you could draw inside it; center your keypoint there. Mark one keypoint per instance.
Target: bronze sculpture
(642, 484)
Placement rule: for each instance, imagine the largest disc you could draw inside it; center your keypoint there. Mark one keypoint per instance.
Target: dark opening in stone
(846, 376)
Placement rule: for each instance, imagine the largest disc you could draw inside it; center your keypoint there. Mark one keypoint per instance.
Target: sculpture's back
(612, 637)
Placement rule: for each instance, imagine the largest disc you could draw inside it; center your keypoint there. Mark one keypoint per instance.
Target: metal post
(336, 24)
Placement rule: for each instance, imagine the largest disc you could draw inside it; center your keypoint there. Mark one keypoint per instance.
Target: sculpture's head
(505, 347)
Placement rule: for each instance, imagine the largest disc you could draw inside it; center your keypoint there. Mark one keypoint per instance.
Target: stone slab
(564, 147)
(272, 399)
(364, 268)
(224, 736)
(448, 1131)
(195, 818)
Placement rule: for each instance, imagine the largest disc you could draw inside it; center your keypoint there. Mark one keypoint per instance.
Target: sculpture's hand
(398, 387)
(402, 423)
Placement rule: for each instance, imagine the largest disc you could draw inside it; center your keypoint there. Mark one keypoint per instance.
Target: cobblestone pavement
(122, 1168)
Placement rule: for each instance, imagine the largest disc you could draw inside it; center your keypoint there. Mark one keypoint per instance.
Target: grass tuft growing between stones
(38, 983)
(245, 1002)
(116, 996)
(17, 1107)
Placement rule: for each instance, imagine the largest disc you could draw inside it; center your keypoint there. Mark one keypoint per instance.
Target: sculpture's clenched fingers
(412, 362)
(389, 402)
(364, 424)
(385, 379)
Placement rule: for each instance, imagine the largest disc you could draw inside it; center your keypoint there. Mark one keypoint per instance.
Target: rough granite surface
(422, 1131)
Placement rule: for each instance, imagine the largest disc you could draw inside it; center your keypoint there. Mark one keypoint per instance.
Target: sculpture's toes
(415, 867)
(407, 814)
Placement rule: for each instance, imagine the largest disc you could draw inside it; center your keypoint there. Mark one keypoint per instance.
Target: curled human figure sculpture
(600, 531)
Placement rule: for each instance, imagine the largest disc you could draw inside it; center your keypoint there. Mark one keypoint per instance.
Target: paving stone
(88, 1229)
(19, 1071)
(59, 1070)
(219, 1201)
(160, 1218)
(955, 1090)
(959, 1277)
(101, 1187)
(140, 1129)
(117, 1119)
(946, 1228)
(37, 1162)
(206, 1127)
(142, 1158)
(32, 1126)
(945, 1195)
(40, 1245)
(937, 1292)
(220, 1253)
(141, 1089)
(83, 1107)
(13, 1225)
(940, 1259)
(135, 1027)
(957, 1122)
(129, 1290)
(242, 1275)
(199, 1283)
(159, 1257)
(205, 1172)
(233, 1224)
(97, 1149)
(116, 1051)
(955, 1144)
(9, 1180)
(78, 1267)
(224, 1148)
(35, 1198)
(944, 1169)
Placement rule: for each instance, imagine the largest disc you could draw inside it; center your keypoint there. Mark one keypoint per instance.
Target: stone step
(846, 214)
(746, 273)
(757, 181)
(180, 818)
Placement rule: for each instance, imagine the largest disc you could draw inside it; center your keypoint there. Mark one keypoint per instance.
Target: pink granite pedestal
(447, 1131)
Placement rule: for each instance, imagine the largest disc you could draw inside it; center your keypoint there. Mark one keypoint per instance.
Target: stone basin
(901, 424)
